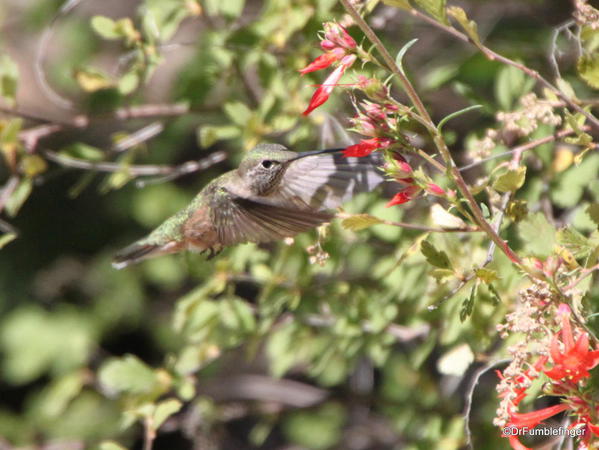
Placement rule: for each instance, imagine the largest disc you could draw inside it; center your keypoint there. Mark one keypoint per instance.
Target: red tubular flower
(324, 61)
(321, 95)
(576, 360)
(533, 418)
(366, 146)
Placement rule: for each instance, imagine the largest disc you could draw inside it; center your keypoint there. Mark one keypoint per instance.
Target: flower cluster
(586, 15)
(526, 120)
(339, 47)
(565, 357)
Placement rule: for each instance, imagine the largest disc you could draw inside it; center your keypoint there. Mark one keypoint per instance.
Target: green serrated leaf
(593, 212)
(437, 258)
(510, 180)
(588, 69)
(436, 8)
(494, 294)
(359, 222)
(486, 275)
(468, 304)
(574, 242)
(538, 235)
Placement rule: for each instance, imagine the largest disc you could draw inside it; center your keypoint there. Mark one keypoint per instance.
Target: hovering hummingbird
(275, 193)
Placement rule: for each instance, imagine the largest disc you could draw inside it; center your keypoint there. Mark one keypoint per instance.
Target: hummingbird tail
(139, 251)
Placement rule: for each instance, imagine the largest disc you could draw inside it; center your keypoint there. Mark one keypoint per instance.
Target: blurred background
(260, 347)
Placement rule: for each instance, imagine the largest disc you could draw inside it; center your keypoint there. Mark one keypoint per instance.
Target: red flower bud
(339, 35)
(432, 188)
(327, 45)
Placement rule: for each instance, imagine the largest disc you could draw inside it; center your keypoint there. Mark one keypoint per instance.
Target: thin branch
(490, 54)
(470, 394)
(521, 148)
(412, 226)
(137, 170)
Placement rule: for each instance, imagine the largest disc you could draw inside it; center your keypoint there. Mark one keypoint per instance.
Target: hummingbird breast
(199, 232)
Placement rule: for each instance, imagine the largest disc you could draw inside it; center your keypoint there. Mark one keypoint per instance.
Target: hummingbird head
(264, 166)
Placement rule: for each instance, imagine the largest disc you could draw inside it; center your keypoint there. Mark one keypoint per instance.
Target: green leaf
(79, 150)
(401, 53)
(593, 212)
(435, 8)
(455, 114)
(238, 112)
(511, 84)
(435, 257)
(210, 134)
(232, 8)
(510, 180)
(128, 82)
(486, 275)
(570, 185)
(469, 26)
(127, 374)
(9, 74)
(468, 304)
(566, 88)
(110, 445)
(92, 80)
(164, 410)
(105, 27)
(588, 69)
(576, 243)
(18, 197)
(7, 238)
(538, 235)
(403, 4)
(360, 222)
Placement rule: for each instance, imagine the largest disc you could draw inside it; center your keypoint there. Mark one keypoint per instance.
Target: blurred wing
(327, 180)
(239, 220)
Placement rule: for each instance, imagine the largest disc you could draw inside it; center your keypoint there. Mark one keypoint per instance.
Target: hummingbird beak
(316, 152)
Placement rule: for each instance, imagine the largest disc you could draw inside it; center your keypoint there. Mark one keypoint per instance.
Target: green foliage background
(258, 348)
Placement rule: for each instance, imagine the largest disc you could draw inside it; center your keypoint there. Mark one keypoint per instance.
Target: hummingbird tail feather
(139, 251)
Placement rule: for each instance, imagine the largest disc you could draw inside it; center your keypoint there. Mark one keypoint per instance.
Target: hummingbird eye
(267, 164)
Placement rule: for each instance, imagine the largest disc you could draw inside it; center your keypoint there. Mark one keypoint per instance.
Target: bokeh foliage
(98, 358)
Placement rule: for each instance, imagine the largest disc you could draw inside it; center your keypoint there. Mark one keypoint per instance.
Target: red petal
(398, 199)
(533, 418)
(321, 95)
(323, 61)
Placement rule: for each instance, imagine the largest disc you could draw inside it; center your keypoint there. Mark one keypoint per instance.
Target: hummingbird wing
(238, 219)
(325, 181)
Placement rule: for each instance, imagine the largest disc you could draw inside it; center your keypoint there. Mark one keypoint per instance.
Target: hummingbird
(273, 194)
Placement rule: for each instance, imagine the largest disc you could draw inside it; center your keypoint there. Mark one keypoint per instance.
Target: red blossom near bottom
(365, 147)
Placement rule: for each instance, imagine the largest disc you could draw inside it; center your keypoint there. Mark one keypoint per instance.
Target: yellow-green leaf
(486, 275)
(360, 222)
(469, 26)
(403, 4)
(588, 69)
(435, 8)
(511, 180)
(92, 80)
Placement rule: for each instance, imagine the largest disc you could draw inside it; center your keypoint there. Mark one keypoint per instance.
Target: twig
(137, 170)
(433, 130)
(142, 135)
(521, 148)
(585, 273)
(470, 394)
(490, 54)
(412, 226)
(149, 433)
